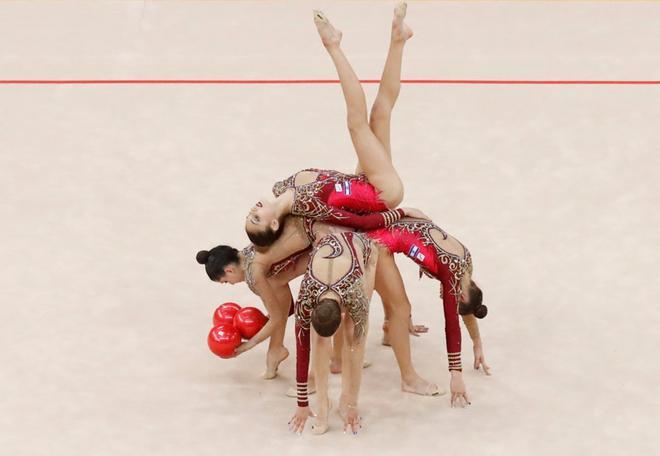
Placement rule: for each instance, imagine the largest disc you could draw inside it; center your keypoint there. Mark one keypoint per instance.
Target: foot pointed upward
(330, 36)
(400, 30)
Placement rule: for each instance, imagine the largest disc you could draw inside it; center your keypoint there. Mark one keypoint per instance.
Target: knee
(381, 110)
(356, 122)
(393, 195)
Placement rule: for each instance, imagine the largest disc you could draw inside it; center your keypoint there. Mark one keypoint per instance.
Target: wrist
(456, 373)
(476, 342)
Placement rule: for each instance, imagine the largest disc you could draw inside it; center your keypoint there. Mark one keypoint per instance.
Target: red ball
(225, 313)
(249, 321)
(223, 340)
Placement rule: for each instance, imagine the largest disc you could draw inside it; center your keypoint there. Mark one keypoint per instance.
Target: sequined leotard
(349, 288)
(339, 199)
(414, 239)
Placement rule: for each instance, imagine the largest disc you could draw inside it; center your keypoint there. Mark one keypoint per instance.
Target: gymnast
(336, 289)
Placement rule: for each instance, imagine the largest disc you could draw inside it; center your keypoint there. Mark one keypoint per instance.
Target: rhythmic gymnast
(336, 289)
(322, 196)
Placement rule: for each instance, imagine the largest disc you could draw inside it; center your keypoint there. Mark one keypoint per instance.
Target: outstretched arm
(477, 346)
(278, 309)
(297, 423)
(372, 221)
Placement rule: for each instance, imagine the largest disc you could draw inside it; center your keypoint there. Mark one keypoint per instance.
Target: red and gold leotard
(413, 238)
(248, 254)
(348, 288)
(339, 199)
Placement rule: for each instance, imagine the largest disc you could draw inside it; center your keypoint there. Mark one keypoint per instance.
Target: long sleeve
(302, 362)
(366, 222)
(452, 327)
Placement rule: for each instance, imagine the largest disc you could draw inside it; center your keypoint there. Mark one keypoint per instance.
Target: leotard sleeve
(452, 329)
(302, 361)
(366, 222)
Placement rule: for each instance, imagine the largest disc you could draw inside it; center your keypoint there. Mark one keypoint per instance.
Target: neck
(283, 203)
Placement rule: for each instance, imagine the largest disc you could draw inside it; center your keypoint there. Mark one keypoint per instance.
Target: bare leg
(390, 81)
(371, 153)
(277, 352)
(389, 285)
(320, 361)
(337, 346)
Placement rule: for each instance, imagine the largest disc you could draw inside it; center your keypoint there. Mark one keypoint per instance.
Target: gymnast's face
(233, 274)
(261, 217)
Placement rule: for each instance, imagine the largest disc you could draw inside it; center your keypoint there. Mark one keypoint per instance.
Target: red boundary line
(324, 81)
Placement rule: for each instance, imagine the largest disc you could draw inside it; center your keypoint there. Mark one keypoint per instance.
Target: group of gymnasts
(339, 231)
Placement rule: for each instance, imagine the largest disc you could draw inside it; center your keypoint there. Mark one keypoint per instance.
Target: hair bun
(203, 256)
(480, 311)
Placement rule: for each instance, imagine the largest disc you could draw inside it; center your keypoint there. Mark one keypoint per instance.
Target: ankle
(411, 378)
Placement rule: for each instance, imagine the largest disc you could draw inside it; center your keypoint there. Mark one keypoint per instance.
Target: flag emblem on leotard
(347, 188)
(414, 250)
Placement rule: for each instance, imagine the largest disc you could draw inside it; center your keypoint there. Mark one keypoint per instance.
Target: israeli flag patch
(414, 250)
(347, 188)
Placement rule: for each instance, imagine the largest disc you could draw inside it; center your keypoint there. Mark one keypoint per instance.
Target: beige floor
(107, 192)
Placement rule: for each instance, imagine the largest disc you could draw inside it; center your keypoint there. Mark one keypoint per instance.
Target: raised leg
(370, 151)
(390, 81)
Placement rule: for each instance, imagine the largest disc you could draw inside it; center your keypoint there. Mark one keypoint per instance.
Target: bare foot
(320, 425)
(421, 387)
(273, 360)
(400, 30)
(330, 36)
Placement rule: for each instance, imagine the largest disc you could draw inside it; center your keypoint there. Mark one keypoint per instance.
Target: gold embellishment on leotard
(456, 264)
(248, 257)
(306, 202)
(348, 288)
(454, 361)
(308, 226)
(282, 186)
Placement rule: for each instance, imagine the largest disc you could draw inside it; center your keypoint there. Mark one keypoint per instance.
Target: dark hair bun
(202, 256)
(480, 311)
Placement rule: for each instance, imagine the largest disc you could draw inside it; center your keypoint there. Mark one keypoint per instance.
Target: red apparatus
(225, 313)
(249, 321)
(223, 340)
